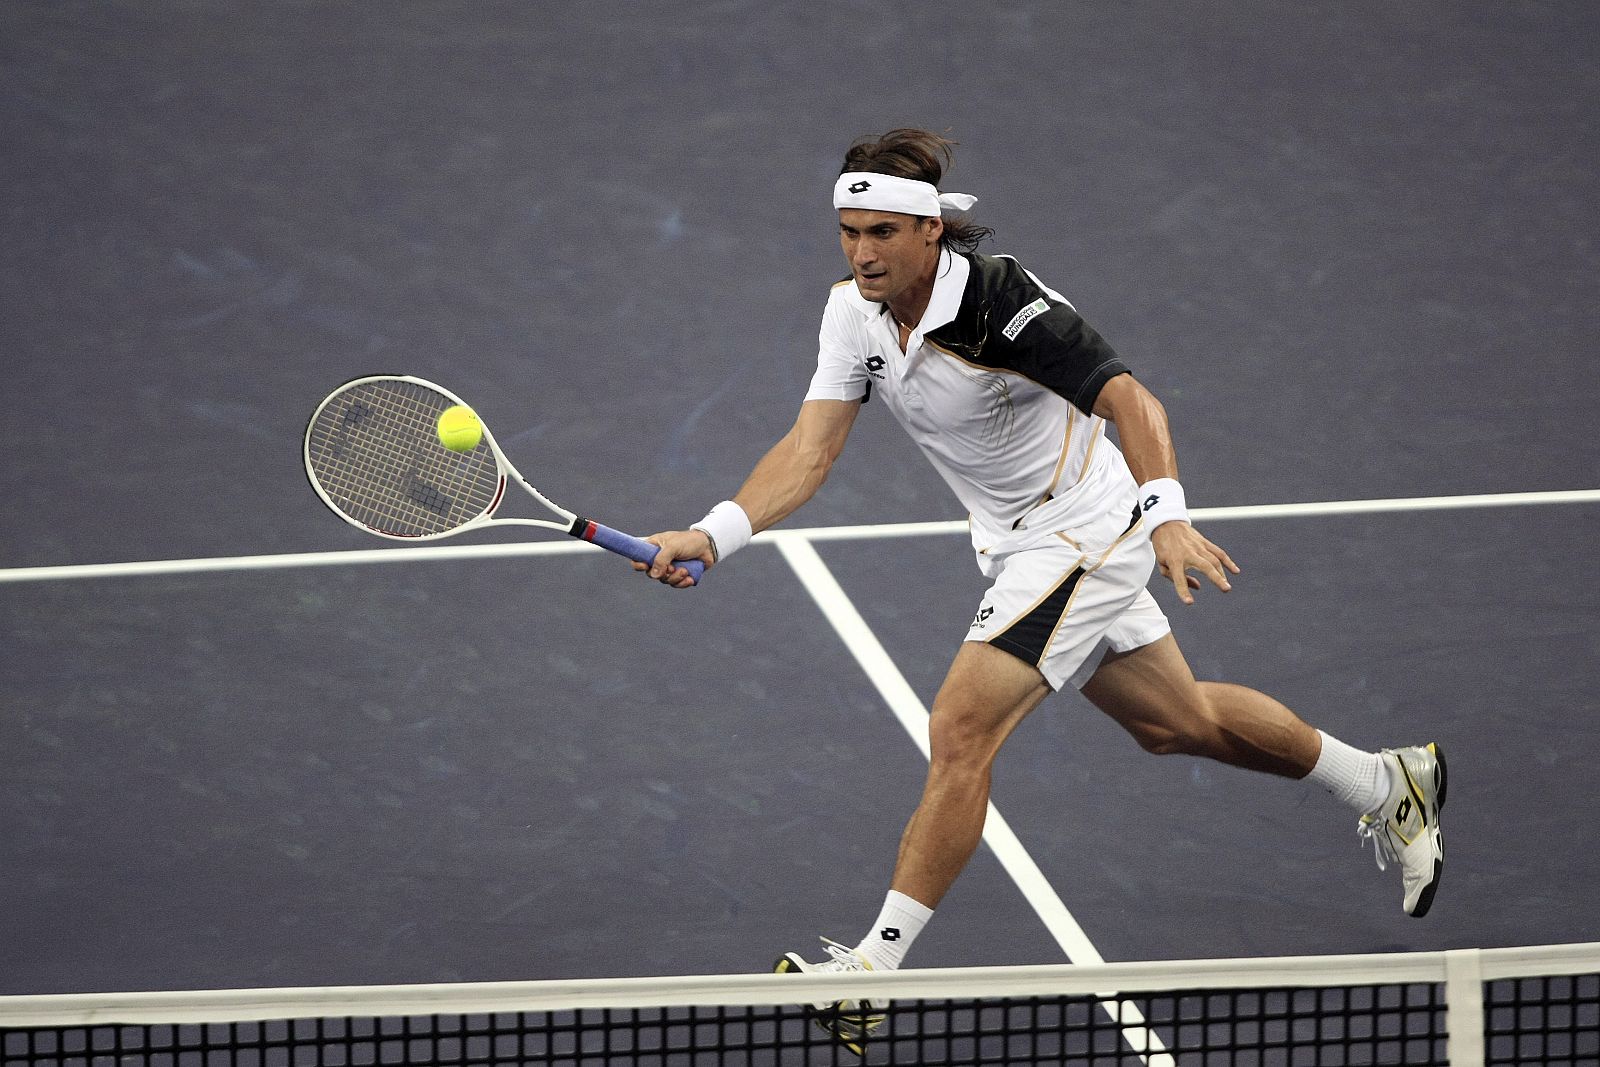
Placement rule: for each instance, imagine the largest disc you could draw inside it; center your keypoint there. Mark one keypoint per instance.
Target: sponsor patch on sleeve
(1023, 317)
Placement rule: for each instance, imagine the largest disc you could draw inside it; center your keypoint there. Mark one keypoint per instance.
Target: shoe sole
(1440, 779)
(1438, 755)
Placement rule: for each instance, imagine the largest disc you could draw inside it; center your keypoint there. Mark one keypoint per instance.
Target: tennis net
(1492, 1006)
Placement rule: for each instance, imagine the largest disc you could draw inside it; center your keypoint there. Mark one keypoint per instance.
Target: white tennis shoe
(1404, 829)
(851, 1022)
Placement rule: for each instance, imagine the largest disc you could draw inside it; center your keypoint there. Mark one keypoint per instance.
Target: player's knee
(959, 745)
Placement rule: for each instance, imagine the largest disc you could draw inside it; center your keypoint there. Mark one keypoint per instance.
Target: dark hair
(915, 154)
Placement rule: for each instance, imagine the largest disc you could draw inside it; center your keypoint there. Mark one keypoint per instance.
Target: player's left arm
(1146, 441)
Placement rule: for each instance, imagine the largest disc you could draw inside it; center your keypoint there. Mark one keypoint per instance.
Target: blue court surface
(1351, 247)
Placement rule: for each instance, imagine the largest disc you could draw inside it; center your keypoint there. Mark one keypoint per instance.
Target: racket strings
(374, 450)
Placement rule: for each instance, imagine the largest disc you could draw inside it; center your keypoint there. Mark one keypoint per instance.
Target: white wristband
(1161, 500)
(728, 527)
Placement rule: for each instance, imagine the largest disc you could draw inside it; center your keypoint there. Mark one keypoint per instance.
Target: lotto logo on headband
(871, 191)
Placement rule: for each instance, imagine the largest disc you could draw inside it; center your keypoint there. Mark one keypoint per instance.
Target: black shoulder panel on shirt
(1007, 322)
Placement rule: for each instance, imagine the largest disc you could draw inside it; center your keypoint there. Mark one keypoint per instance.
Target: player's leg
(1025, 640)
(1036, 626)
(1150, 691)
(984, 696)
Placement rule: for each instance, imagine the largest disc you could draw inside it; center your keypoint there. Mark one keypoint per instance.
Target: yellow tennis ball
(459, 429)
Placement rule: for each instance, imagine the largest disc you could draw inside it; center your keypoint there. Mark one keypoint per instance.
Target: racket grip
(635, 548)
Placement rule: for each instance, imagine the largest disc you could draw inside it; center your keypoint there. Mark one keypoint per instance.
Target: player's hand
(1180, 549)
(677, 545)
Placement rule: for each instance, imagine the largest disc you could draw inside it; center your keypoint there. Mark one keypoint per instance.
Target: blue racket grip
(636, 549)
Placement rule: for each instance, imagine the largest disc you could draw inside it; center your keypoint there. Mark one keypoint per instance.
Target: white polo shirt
(996, 387)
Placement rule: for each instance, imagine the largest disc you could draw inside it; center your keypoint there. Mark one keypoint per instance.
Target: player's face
(889, 253)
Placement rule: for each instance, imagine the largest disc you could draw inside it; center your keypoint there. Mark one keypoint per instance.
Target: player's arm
(786, 477)
(794, 469)
(1146, 441)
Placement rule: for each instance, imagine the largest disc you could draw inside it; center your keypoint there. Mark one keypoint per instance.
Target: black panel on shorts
(1028, 637)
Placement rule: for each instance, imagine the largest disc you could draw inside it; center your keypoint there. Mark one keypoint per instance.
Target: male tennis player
(1007, 391)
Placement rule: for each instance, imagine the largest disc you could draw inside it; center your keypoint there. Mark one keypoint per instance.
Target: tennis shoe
(1404, 829)
(850, 1022)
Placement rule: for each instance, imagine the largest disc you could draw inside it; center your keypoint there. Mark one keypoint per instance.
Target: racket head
(373, 454)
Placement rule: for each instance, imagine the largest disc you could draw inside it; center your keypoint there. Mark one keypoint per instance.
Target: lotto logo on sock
(890, 933)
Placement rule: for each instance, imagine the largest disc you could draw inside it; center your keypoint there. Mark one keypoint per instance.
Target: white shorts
(1060, 602)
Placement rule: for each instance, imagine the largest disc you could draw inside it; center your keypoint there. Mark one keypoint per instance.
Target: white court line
(1314, 509)
(144, 569)
(997, 833)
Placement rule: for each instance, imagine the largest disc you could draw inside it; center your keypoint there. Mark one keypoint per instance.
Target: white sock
(899, 923)
(1358, 779)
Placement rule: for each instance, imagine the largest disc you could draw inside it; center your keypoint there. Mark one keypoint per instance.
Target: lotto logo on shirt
(875, 365)
(1023, 317)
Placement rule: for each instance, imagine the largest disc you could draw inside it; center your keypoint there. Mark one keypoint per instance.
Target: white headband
(886, 192)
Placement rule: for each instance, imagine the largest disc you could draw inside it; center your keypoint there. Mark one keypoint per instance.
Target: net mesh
(1371, 1025)
(374, 450)
(1536, 1019)
(1546, 1020)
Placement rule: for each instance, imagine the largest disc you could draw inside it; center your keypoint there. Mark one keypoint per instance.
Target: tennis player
(1007, 391)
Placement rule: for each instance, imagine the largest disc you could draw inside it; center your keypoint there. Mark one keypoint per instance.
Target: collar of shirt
(949, 283)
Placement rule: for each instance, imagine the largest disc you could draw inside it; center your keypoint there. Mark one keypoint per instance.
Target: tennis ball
(459, 429)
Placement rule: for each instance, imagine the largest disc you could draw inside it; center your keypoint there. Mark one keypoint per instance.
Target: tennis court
(1351, 249)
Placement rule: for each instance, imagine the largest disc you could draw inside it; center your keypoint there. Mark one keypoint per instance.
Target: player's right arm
(794, 469)
(786, 477)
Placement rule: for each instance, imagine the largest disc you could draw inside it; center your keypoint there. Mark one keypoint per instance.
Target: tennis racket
(374, 456)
